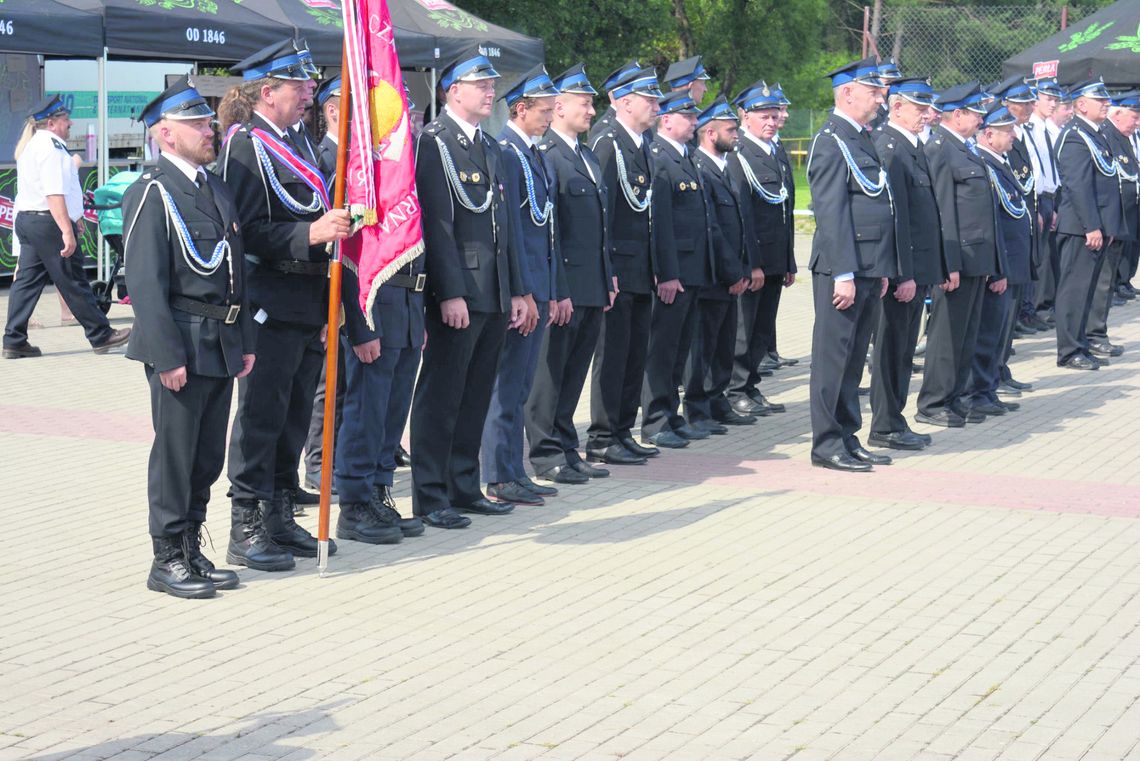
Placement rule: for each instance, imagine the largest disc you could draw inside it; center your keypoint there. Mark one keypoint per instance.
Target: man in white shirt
(1040, 137)
(48, 203)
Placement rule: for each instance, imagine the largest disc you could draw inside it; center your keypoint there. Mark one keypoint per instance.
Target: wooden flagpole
(333, 345)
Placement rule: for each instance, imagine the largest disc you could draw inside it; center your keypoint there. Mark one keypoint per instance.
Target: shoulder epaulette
(432, 128)
(544, 146)
(59, 143)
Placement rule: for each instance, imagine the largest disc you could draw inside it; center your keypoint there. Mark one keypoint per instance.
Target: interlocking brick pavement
(979, 600)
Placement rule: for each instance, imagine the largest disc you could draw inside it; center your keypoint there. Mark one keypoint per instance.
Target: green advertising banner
(121, 104)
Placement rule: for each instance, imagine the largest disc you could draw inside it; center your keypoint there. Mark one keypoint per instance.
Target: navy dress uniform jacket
(467, 255)
(274, 234)
(630, 231)
(539, 265)
(582, 222)
(919, 245)
(1015, 236)
(772, 224)
(732, 233)
(859, 236)
(681, 211)
(1121, 148)
(163, 337)
(965, 206)
(1091, 201)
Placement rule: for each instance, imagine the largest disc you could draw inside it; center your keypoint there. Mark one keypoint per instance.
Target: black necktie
(1052, 158)
(477, 152)
(205, 189)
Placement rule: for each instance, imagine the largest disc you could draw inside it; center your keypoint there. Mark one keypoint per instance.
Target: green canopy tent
(1105, 44)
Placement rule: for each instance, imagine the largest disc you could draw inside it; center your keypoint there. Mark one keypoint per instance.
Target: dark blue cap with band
(968, 96)
(720, 110)
(757, 97)
(1047, 86)
(1093, 88)
(642, 82)
(180, 102)
(678, 102)
(536, 83)
(889, 70)
(302, 48)
(1129, 100)
(574, 81)
(998, 116)
(330, 88)
(279, 60)
(915, 89)
(778, 93)
(1014, 89)
(685, 72)
(472, 66)
(47, 108)
(864, 72)
(620, 74)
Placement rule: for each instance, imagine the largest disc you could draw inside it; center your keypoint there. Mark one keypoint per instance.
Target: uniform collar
(1092, 127)
(635, 136)
(280, 132)
(190, 170)
(469, 129)
(767, 146)
(913, 138)
(681, 149)
(1000, 158)
(951, 132)
(528, 141)
(720, 161)
(858, 127)
(572, 142)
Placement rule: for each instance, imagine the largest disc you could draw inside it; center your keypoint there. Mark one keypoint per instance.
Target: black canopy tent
(49, 27)
(1105, 44)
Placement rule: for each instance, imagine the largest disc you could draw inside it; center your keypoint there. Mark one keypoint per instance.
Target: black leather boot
(283, 529)
(171, 573)
(249, 544)
(200, 564)
(385, 508)
(359, 522)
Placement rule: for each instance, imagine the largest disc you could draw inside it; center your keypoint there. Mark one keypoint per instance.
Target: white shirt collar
(190, 170)
(469, 129)
(636, 136)
(913, 138)
(849, 120)
(527, 139)
(333, 136)
(759, 141)
(720, 161)
(681, 149)
(955, 134)
(1000, 157)
(570, 141)
(1092, 126)
(280, 132)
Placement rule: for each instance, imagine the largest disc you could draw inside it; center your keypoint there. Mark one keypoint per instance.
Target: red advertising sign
(1043, 69)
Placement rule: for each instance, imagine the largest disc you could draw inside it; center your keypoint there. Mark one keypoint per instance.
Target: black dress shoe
(782, 359)
(403, 459)
(669, 440)
(710, 426)
(1105, 349)
(23, 350)
(841, 461)
(986, 407)
(302, 498)
(564, 474)
(639, 449)
(1007, 391)
(484, 506)
(510, 492)
(1025, 327)
(897, 440)
(768, 363)
(1009, 406)
(589, 470)
(117, 338)
(614, 454)
(748, 408)
(1079, 362)
(969, 414)
(759, 399)
(313, 481)
(925, 438)
(861, 454)
(732, 417)
(690, 432)
(943, 418)
(1037, 322)
(446, 518)
(1018, 385)
(542, 491)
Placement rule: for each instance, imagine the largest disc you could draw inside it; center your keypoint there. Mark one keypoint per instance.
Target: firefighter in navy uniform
(619, 361)
(920, 263)
(683, 252)
(531, 191)
(606, 120)
(473, 295)
(710, 361)
(1090, 223)
(193, 331)
(287, 224)
(853, 254)
(766, 181)
(581, 230)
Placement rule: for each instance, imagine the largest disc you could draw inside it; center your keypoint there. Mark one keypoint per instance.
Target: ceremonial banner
(380, 179)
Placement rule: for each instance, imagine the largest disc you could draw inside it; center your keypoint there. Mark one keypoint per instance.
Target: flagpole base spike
(322, 557)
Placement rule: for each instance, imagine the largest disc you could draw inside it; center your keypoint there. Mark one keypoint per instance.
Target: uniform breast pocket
(870, 168)
(577, 187)
(472, 253)
(920, 180)
(968, 173)
(868, 232)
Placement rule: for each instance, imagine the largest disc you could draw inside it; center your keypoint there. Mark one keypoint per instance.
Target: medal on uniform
(475, 177)
(463, 176)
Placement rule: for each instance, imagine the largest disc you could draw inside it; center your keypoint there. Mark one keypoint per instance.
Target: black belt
(227, 313)
(39, 212)
(291, 266)
(414, 282)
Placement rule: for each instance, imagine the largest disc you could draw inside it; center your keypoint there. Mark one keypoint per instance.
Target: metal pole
(866, 27)
(434, 73)
(103, 267)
